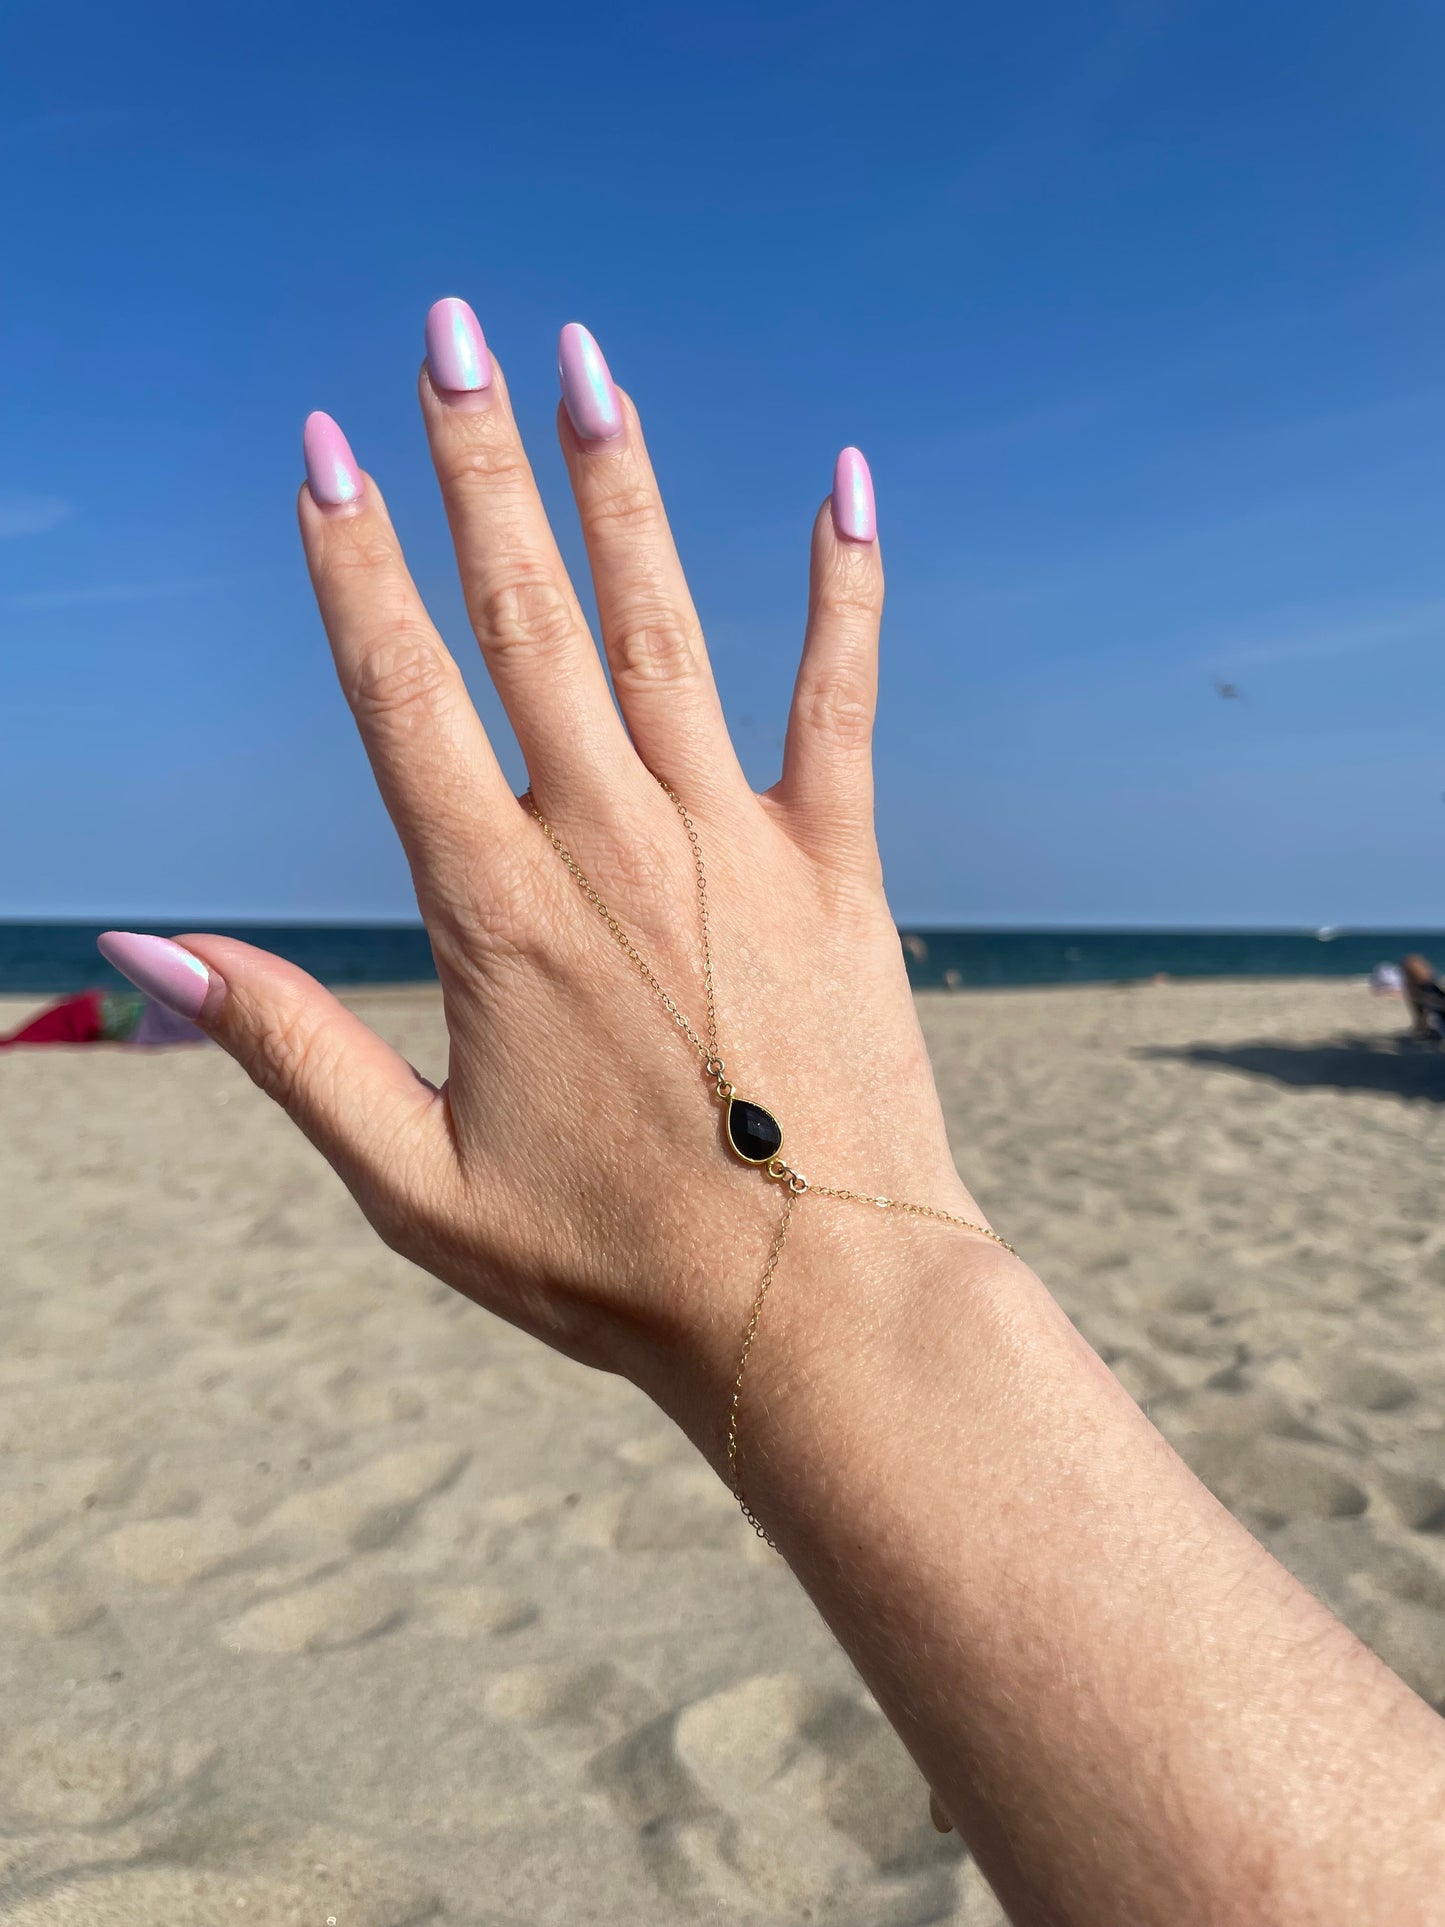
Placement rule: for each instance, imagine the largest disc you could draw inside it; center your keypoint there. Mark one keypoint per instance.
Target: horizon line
(906, 925)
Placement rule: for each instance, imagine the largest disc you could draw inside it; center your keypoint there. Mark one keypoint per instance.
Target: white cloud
(31, 514)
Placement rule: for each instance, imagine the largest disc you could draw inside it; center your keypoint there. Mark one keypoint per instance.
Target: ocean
(52, 958)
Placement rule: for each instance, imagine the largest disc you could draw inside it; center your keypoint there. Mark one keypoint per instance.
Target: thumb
(361, 1104)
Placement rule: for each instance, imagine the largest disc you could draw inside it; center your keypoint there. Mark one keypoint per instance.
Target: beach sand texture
(325, 1597)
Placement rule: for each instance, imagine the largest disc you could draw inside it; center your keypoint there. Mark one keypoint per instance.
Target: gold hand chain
(753, 1133)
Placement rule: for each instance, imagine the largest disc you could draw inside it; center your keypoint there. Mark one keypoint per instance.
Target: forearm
(1132, 1712)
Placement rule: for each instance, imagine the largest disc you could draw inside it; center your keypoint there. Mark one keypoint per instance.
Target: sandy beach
(325, 1598)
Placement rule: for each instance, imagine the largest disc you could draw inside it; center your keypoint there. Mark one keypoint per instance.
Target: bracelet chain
(708, 1051)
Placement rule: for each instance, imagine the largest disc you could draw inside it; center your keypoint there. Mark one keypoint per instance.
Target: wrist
(854, 1316)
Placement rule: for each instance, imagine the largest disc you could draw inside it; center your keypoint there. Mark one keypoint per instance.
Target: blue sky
(1136, 309)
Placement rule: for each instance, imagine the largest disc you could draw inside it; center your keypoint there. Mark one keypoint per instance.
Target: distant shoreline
(38, 959)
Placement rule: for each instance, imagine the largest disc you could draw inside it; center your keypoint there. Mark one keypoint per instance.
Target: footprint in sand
(748, 1740)
(1193, 1299)
(350, 1398)
(1184, 1337)
(584, 1705)
(1230, 1408)
(1417, 1498)
(177, 1552)
(778, 1793)
(1370, 1386)
(1411, 1570)
(471, 1612)
(1273, 1478)
(61, 1612)
(372, 1506)
(341, 1610)
(1233, 1378)
(180, 1551)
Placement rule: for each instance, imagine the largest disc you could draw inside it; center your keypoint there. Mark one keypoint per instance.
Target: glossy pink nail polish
(456, 350)
(331, 471)
(163, 970)
(587, 390)
(854, 513)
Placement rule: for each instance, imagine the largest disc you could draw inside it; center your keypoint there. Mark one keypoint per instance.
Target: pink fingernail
(456, 350)
(163, 970)
(587, 389)
(331, 471)
(854, 513)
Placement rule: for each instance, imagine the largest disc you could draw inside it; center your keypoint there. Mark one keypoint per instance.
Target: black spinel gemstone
(754, 1133)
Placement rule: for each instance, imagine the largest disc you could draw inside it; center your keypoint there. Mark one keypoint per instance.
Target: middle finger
(522, 605)
(650, 629)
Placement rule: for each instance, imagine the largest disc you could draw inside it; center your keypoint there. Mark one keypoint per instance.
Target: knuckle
(626, 508)
(652, 646)
(852, 588)
(852, 601)
(477, 934)
(363, 549)
(839, 709)
(489, 462)
(293, 1052)
(401, 675)
(478, 931)
(530, 611)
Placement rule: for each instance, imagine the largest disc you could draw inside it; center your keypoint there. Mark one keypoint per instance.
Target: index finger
(437, 773)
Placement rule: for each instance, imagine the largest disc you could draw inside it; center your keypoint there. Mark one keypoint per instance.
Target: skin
(1130, 1711)
(1419, 976)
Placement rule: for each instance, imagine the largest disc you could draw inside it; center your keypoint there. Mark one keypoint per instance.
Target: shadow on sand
(1396, 1065)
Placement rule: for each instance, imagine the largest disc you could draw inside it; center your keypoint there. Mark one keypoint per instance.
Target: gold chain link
(708, 1051)
(755, 1318)
(911, 1210)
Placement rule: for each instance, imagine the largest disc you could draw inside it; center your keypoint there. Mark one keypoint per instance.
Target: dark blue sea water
(983, 959)
(54, 957)
(36, 957)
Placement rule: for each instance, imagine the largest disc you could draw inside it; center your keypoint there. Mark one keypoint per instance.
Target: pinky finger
(380, 1126)
(827, 784)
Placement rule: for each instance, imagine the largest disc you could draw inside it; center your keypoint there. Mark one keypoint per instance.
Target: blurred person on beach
(1425, 996)
(1127, 1708)
(105, 1017)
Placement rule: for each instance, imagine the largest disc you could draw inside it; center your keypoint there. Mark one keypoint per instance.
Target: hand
(1052, 1612)
(571, 1175)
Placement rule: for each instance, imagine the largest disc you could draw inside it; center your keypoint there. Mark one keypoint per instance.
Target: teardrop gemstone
(755, 1134)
